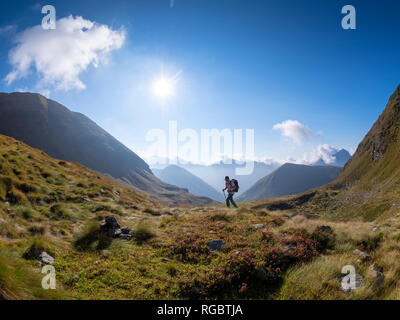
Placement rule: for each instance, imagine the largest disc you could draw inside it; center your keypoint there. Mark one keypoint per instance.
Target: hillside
(369, 185)
(290, 179)
(182, 178)
(47, 125)
(174, 253)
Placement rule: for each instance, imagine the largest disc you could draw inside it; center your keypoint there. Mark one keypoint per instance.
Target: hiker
(232, 186)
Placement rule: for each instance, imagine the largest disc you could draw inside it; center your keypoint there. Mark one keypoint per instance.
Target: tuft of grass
(142, 233)
(25, 212)
(38, 245)
(91, 239)
(61, 211)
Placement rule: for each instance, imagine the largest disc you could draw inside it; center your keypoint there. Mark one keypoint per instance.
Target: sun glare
(163, 88)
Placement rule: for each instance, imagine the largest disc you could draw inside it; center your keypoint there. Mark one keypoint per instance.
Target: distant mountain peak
(339, 159)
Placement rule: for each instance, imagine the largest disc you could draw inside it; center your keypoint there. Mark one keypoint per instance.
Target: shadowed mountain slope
(63, 134)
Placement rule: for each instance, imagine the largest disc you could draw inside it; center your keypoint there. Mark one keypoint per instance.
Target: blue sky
(241, 64)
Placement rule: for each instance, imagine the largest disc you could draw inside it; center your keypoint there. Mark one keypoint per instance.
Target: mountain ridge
(49, 126)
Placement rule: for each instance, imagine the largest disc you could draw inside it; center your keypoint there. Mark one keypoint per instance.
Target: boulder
(114, 233)
(215, 245)
(45, 258)
(112, 223)
(114, 230)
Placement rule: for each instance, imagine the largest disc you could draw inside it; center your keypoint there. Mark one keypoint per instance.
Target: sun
(163, 88)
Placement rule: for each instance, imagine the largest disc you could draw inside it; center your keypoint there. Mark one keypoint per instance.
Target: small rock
(215, 245)
(126, 230)
(375, 228)
(45, 258)
(40, 203)
(126, 237)
(258, 226)
(291, 215)
(99, 208)
(114, 233)
(364, 256)
(375, 267)
(212, 232)
(102, 191)
(86, 199)
(326, 229)
(165, 260)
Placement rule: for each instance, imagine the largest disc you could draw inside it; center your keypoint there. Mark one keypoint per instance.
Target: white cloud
(324, 152)
(60, 56)
(294, 130)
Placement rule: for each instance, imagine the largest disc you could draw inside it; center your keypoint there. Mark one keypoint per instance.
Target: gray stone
(258, 226)
(45, 258)
(215, 245)
(126, 237)
(126, 230)
(40, 203)
(112, 223)
(114, 233)
(377, 275)
(291, 215)
(364, 256)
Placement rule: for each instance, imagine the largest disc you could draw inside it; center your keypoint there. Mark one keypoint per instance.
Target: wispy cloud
(60, 56)
(8, 30)
(294, 130)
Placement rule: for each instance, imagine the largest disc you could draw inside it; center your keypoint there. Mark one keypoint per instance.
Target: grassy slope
(168, 258)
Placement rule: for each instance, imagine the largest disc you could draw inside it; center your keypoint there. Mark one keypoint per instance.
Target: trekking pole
(225, 195)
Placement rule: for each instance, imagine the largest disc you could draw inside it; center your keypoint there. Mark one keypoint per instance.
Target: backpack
(236, 183)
